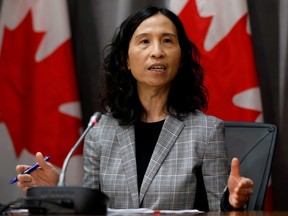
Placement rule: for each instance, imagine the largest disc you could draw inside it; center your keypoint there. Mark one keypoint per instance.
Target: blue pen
(29, 170)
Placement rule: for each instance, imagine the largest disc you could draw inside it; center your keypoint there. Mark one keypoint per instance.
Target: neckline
(157, 122)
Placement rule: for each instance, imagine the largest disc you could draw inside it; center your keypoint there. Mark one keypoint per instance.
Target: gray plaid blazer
(170, 180)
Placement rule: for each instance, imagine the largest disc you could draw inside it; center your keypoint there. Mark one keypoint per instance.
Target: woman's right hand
(45, 175)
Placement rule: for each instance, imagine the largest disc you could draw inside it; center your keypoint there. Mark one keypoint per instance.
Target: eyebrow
(164, 34)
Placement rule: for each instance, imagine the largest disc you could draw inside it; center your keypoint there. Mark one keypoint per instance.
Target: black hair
(120, 97)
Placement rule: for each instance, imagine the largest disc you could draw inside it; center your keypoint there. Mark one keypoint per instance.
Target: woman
(148, 148)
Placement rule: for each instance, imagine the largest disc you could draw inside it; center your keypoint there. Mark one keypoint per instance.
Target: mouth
(157, 68)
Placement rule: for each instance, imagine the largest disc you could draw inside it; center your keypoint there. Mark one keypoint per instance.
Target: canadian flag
(39, 103)
(221, 31)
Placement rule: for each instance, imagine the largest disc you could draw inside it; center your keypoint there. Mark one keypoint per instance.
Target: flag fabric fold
(39, 102)
(221, 31)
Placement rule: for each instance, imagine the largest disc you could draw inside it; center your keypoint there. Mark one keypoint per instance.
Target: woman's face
(154, 53)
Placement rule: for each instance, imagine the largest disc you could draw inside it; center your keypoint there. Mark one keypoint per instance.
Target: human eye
(144, 41)
(167, 40)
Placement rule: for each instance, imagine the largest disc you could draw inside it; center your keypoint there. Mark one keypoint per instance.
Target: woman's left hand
(240, 188)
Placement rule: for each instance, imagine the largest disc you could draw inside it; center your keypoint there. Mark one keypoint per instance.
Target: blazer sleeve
(91, 160)
(215, 164)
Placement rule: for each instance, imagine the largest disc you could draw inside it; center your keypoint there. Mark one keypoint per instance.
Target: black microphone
(64, 199)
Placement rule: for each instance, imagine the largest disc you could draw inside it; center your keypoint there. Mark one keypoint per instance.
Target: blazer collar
(167, 138)
(126, 139)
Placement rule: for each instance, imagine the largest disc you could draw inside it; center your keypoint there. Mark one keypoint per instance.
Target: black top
(146, 136)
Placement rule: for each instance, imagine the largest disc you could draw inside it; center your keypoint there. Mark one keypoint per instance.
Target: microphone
(62, 199)
(93, 121)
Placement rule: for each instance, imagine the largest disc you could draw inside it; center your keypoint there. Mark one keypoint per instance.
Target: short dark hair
(120, 96)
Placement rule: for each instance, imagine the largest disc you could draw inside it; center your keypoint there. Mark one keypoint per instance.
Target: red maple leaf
(32, 93)
(230, 67)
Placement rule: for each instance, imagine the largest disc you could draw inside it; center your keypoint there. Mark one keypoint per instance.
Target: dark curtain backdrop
(266, 17)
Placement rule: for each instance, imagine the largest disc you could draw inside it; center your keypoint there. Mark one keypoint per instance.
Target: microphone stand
(64, 199)
(93, 121)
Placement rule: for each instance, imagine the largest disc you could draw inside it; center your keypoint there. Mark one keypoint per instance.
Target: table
(232, 213)
(245, 213)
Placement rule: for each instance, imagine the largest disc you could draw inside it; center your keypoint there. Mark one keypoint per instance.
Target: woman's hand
(45, 175)
(240, 188)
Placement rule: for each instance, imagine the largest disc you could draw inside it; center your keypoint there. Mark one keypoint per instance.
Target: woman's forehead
(156, 23)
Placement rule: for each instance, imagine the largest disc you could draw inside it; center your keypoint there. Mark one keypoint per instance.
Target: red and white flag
(39, 103)
(221, 31)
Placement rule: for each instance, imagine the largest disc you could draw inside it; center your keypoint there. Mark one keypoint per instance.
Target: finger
(21, 168)
(24, 178)
(244, 190)
(245, 183)
(235, 168)
(238, 200)
(240, 203)
(40, 160)
(24, 185)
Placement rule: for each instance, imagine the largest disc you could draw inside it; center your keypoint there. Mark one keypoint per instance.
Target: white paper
(150, 211)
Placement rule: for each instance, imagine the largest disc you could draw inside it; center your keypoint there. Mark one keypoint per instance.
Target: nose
(157, 51)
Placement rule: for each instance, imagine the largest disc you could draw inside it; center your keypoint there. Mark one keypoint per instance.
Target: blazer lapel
(126, 138)
(168, 135)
